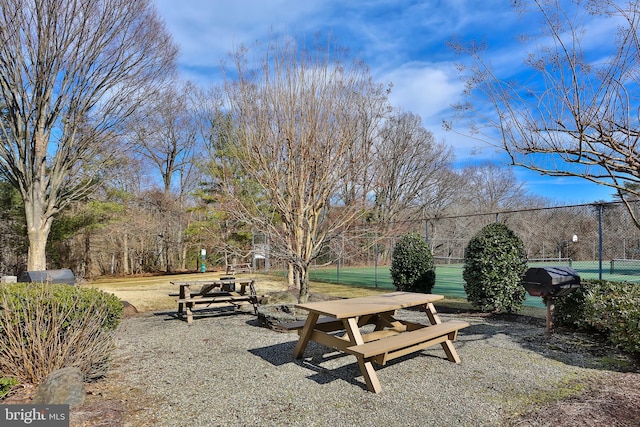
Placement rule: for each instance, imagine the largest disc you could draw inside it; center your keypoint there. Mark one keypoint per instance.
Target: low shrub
(611, 308)
(45, 327)
(494, 262)
(412, 265)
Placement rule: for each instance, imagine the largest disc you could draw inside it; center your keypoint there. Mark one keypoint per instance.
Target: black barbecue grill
(550, 283)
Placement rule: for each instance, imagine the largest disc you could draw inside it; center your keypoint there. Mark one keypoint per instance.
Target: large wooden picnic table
(224, 291)
(338, 323)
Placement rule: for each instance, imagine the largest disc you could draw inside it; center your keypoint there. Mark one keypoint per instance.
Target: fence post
(600, 241)
(426, 230)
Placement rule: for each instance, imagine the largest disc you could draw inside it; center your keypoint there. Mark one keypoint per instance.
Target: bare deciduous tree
(411, 170)
(409, 166)
(574, 110)
(166, 136)
(297, 121)
(71, 73)
(491, 188)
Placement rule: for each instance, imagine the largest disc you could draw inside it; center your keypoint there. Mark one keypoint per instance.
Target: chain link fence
(600, 241)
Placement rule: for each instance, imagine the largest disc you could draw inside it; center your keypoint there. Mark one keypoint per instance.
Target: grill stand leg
(551, 302)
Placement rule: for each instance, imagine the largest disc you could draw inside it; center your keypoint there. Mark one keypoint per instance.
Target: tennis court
(449, 280)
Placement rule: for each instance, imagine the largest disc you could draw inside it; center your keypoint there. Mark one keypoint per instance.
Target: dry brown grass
(151, 293)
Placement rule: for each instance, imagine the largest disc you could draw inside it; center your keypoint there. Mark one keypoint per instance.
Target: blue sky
(402, 41)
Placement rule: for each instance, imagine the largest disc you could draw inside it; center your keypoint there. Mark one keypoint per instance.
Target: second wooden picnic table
(228, 291)
(390, 337)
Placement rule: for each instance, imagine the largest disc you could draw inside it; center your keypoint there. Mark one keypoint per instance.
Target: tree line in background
(299, 143)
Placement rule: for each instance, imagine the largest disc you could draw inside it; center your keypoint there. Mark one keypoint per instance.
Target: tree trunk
(291, 279)
(38, 228)
(303, 296)
(125, 254)
(38, 234)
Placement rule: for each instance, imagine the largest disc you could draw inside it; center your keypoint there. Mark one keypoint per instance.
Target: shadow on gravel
(316, 358)
(199, 314)
(564, 345)
(328, 365)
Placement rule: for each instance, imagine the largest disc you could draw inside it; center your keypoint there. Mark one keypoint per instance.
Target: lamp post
(574, 239)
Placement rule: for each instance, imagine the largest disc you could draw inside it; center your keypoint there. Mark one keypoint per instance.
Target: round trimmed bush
(494, 262)
(412, 265)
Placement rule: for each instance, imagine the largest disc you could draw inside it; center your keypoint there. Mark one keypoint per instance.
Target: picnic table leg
(366, 366)
(305, 335)
(254, 297)
(189, 313)
(184, 290)
(447, 346)
(369, 375)
(432, 314)
(452, 354)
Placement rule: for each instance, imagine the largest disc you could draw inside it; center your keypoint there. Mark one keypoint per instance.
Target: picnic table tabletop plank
(373, 304)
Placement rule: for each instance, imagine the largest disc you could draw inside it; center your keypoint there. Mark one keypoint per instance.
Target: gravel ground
(226, 369)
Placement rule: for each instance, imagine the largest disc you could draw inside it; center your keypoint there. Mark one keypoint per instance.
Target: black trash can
(64, 275)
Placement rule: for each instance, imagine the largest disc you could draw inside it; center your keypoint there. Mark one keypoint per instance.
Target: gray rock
(62, 386)
(128, 309)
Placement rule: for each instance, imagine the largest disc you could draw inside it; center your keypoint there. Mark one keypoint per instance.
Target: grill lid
(551, 281)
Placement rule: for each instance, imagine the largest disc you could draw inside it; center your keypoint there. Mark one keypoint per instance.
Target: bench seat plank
(230, 298)
(393, 346)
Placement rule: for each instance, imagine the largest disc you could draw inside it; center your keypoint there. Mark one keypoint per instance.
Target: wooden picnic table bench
(214, 293)
(390, 338)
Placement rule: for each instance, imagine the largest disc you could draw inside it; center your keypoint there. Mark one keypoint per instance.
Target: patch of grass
(147, 293)
(568, 387)
(344, 291)
(614, 363)
(571, 386)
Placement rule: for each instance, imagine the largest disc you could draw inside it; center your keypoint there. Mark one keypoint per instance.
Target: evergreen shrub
(412, 265)
(494, 263)
(610, 308)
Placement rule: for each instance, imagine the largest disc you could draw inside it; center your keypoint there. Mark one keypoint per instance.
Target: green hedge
(610, 308)
(6, 384)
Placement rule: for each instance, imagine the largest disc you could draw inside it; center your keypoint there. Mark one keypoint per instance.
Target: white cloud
(429, 90)
(207, 31)
(423, 88)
